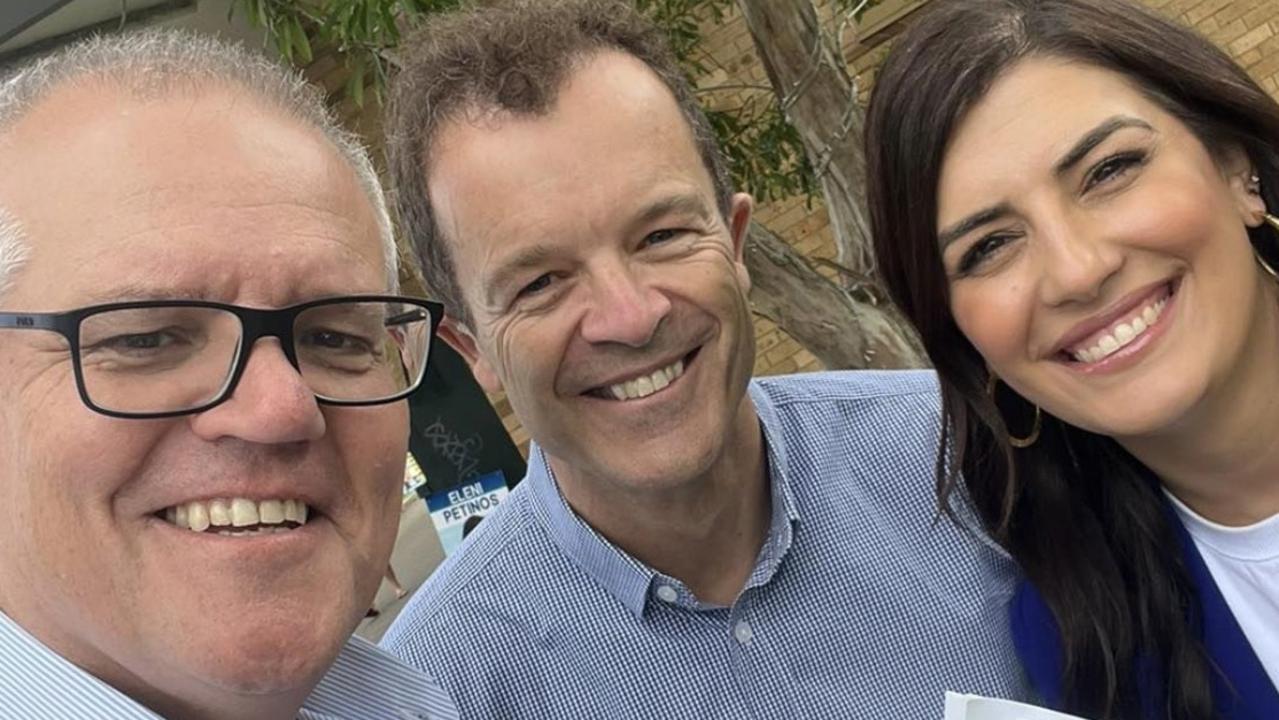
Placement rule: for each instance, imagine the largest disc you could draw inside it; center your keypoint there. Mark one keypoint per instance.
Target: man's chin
(664, 466)
(267, 665)
(263, 651)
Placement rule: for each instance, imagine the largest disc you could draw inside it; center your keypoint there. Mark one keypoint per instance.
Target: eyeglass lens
(174, 358)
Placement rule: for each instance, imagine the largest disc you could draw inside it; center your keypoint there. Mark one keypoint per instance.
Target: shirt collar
(367, 682)
(785, 511)
(624, 577)
(364, 683)
(627, 579)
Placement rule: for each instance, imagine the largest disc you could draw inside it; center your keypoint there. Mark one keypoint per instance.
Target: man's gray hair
(13, 252)
(154, 62)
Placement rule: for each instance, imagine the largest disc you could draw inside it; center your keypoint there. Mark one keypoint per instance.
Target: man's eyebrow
(1095, 137)
(131, 292)
(680, 203)
(677, 203)
(972, 222)
(510, 267)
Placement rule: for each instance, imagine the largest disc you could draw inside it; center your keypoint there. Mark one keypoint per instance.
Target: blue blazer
(1241, 690)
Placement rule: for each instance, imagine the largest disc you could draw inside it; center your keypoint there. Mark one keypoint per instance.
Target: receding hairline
(159, 63)
(488, 114)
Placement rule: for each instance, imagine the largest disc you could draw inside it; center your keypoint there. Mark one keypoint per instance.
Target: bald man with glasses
(203, 362)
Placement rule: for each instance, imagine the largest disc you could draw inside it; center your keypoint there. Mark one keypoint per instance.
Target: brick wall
(1248, 29)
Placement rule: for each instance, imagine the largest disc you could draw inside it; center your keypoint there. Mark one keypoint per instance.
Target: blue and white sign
(451, 508)
(414, 478)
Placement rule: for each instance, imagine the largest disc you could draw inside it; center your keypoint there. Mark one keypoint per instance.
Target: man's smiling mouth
(646, 384)
(238, 516)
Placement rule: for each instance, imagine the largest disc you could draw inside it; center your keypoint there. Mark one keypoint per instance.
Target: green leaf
(300, 42)
(355, 83)
(283, 38)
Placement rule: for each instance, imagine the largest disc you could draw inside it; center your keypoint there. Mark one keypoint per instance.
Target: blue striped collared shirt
(364, 683)
(862, 603)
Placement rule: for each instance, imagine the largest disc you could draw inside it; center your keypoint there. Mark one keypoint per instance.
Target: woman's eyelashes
(1114, 169)
(1112, 172)
(980, 252)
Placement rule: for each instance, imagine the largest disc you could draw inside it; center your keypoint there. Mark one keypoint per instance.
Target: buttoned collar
(631, 582)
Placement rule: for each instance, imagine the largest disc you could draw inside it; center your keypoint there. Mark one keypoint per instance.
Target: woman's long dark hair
(1082, 516)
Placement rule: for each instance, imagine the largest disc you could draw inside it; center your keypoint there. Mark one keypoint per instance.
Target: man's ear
(739, 225)
(459, 337)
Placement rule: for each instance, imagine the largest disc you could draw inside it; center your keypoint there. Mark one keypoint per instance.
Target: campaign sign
(450, 508)
(414, 478)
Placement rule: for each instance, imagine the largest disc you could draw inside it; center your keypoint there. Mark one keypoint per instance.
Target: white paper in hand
(975, 707)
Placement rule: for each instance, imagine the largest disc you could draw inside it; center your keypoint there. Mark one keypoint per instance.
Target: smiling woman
(1070, 201)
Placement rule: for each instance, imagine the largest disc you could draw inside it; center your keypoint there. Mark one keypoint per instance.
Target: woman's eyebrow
(972, 222)
(1078, 152)
(1095, 137)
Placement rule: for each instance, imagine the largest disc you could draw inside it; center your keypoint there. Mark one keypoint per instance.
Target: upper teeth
(1119, 335)
(200, 515)
(648, 384)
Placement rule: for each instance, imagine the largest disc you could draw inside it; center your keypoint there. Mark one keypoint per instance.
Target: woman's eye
(981, 251)
(1113, 167)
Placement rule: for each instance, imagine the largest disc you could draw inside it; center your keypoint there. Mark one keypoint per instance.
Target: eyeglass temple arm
(29, 321)
(407, 317)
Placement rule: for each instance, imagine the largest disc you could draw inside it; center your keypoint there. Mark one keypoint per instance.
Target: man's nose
(623, 309)
(271, 404)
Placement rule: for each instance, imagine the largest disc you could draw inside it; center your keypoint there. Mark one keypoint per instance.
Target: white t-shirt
(1244, 561)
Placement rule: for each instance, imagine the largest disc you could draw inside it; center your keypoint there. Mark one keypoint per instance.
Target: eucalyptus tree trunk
(839, 328)
(819, 97)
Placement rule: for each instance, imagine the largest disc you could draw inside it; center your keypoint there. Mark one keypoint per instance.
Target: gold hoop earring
(1273, 222)
(1017, 442)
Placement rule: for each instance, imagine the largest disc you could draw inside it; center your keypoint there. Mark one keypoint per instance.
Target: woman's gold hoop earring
(1273, 222)
(1017, 442)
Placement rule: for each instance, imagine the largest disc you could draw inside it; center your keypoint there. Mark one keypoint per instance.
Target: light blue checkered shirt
(364, 684)
(862, 603)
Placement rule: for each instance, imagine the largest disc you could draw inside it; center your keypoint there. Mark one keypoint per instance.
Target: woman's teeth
(1119, 335)
(238, 516)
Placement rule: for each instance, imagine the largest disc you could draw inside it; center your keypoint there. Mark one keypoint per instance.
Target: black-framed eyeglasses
(164, 358)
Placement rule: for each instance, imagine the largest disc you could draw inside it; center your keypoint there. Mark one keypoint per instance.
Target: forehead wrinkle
(165, 270)
(161, 190)
(303, 217)
(126, 292)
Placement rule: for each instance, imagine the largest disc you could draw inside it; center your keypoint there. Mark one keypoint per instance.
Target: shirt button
(743, 632)
(666, 593)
